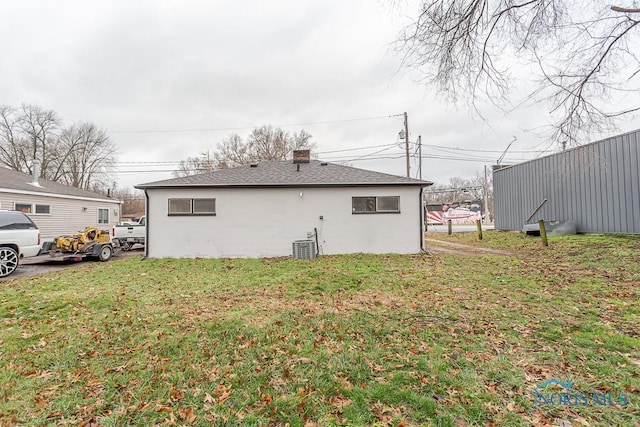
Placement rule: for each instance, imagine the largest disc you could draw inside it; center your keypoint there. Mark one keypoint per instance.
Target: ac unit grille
(304, 249)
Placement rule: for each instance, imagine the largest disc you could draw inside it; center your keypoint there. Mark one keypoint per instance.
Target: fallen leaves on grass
(225, 341)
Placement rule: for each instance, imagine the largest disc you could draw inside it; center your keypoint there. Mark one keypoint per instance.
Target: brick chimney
(301, 156)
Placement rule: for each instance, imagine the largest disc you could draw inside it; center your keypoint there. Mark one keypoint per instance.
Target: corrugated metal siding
(67, 215)
(596, 185)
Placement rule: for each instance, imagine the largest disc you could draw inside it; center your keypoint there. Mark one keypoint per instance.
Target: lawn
(389, 340)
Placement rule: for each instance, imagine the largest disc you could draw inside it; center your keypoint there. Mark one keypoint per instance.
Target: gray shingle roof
(284, 174)
(14, 180)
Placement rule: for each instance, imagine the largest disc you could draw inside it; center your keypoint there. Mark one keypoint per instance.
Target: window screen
(388, 204)
(204, 206)
(179, 206)
(43, 209)
(103, 216)
(363, 204)
(192, 206)
(378, 204)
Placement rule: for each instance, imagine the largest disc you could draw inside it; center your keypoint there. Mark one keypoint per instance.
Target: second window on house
(103, 216)
(375, 204)
(192, 206)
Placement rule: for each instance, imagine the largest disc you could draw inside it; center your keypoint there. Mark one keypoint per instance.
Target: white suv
(19, 238)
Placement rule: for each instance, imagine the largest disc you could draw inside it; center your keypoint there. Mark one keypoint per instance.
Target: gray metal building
(596, 185)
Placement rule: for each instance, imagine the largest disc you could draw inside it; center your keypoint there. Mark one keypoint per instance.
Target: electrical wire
(336, 160)
(253, 127)
(177, 162)
(480, 151)
(355, 149)
(448, 154)
(445, 150)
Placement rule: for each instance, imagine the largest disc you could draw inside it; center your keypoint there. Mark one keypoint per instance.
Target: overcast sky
(170, 79)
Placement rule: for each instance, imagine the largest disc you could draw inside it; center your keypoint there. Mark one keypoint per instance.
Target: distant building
(56, 209)
(595, 185)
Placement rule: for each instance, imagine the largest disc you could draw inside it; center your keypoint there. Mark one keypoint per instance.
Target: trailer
(97, 250)
(88, 243)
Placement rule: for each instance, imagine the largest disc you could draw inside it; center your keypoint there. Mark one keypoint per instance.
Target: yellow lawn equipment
(91, 241)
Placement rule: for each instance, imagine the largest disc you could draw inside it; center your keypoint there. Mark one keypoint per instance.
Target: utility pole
(406, 141)
(420, 156)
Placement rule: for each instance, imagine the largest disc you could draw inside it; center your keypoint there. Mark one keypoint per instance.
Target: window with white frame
(375, 204)
(33, 208)
(183, 206)
(103, 216)
(23, 207)
(43, 209)
(179, 206)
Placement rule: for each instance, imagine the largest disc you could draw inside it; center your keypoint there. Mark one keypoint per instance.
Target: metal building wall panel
(626, 180)
(634, 187)
(596, 185)
(618, 191)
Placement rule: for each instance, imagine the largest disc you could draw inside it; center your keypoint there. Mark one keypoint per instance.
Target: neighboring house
(595, 185)
(259, 210)
(57, 209)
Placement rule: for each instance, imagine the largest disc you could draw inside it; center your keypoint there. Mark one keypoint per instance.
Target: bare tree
(264, 143)
(302, 141)
(11, 142)
(205, 162)
(80, 155)
(86, 156)
(29, 133)
(132, 200)
(582, 52)
(40, 129)
(233, 152)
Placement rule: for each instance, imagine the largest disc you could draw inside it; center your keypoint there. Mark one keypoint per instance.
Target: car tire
(105, 253)
(9, 261)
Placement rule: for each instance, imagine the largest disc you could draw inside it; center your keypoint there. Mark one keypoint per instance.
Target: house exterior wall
(265, 222)
(596, 185)
(67, 216)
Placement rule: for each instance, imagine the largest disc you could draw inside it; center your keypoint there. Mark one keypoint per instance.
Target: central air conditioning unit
(304, 249)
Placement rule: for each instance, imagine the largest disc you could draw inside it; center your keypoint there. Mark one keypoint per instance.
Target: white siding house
(260, 210)
(56, 209)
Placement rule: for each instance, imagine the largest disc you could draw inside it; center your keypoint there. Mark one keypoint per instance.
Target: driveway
(38, 265)
(451, 248)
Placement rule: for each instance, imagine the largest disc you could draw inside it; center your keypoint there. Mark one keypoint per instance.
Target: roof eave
(57, 195)
(302, 185)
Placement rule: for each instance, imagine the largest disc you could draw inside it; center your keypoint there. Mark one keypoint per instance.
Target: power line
(374, 153)
(446, 150)
(252, 127)
(355, 149)
(207, 170)
(481, 151)
(336, 160)
(178, 162)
